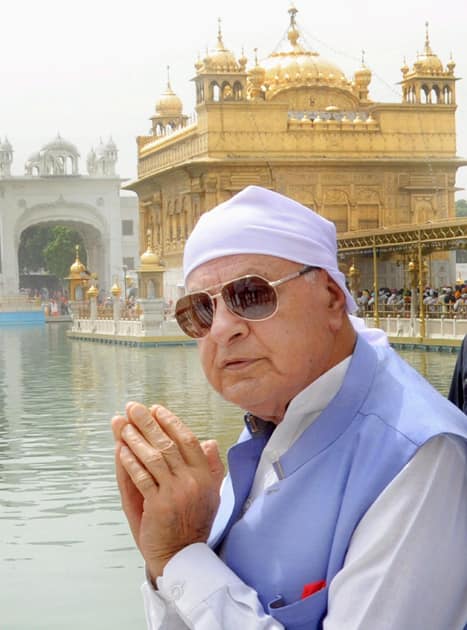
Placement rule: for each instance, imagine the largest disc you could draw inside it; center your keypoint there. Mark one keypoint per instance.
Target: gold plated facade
(296, 124)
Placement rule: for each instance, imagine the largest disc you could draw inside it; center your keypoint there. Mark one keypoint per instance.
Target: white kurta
(406, 567)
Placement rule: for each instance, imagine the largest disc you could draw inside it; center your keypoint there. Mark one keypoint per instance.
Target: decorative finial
(293, 33)
(363, 57)
(255, 50)
(292, 12)
(168, 78)
(427, 39)
(220, 43)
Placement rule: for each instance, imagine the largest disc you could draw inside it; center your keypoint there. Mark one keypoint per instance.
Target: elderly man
(345, 506)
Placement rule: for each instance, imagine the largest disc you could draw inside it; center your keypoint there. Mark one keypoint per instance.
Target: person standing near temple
(345, 504)
(458, 389)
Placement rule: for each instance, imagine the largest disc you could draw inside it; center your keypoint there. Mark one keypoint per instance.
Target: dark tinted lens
(194, 314)
(250, 297)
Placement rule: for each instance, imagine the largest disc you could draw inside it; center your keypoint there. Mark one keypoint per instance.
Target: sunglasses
(250, 297)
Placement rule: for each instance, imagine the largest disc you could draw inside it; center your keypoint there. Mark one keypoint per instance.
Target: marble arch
(88, 203)
(81, 217)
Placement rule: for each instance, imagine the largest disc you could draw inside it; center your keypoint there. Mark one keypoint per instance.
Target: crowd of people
(54, 303)
(444, 301)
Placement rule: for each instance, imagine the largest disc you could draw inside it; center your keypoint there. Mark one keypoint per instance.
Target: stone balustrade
(150, 324)
(410, 327)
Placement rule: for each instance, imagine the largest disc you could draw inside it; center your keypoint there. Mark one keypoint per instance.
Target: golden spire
(428, 62)
(293, 13)
(149, 257)
(428, 50)
(256, 75)
(77, 267)
(293, 33)
(169, 87)
(220, 43)
(243, 60)
(169, 104)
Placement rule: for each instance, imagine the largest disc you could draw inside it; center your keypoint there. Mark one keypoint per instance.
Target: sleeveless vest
(298, 531)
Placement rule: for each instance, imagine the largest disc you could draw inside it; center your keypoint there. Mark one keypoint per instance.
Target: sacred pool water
(67, 560)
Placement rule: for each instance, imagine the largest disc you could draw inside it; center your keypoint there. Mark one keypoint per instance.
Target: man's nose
(225, 324)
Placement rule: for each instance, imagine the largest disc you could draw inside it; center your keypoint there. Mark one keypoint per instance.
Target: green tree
(461, 208)
(59, 253)
(31, 248)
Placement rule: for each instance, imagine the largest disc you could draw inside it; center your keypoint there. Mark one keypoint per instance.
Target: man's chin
(251, 398)
(245, 394)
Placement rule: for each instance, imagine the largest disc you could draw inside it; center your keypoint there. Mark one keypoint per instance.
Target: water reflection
(437, 367)
(64, 545)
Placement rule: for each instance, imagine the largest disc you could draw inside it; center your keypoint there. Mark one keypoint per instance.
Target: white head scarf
(260, 221)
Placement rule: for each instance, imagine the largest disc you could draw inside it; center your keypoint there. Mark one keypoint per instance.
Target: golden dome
(291, 64)
(92, 291)
(77, 267)
(221, 59)
(149, 257)
(362, 76)
(169, 104)
(428, 62)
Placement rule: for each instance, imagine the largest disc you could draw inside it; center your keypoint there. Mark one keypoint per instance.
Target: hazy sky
(95, 68)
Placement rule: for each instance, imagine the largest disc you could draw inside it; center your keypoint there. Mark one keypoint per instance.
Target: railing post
(116, 305)
(375, 285)
(92, 295)
(420, 288)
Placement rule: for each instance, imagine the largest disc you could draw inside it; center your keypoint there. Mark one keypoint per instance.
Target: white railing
(106, 327)
(439, 328)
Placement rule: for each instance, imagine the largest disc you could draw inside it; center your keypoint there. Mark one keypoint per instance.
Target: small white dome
(60, 144)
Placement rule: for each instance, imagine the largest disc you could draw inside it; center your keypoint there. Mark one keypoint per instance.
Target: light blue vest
(298, 531)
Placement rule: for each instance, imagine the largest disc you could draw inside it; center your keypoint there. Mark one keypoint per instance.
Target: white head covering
(260, 221)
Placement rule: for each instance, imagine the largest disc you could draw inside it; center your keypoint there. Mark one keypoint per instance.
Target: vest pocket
(305, 614)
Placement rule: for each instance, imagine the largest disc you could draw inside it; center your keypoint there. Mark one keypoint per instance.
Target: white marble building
(53, 191)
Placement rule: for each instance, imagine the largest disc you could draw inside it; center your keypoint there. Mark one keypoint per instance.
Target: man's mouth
(238, 364)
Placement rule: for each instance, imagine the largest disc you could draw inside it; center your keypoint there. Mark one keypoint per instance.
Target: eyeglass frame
(272, 283)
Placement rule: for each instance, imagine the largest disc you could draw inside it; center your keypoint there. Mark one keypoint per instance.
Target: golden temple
(295, 123)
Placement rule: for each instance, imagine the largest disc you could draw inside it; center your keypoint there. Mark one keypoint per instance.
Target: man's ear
(336, 295)
(336, 304)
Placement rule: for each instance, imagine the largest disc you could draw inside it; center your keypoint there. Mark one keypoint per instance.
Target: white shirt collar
(306, 406)
(301, 412)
